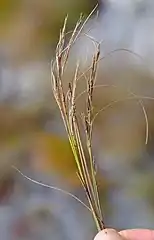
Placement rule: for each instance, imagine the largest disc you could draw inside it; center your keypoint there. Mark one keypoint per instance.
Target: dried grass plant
(66, 101)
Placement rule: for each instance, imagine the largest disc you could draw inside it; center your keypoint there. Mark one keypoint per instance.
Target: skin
(133, 234)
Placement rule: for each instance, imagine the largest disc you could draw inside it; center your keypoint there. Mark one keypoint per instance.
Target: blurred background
(32, 136)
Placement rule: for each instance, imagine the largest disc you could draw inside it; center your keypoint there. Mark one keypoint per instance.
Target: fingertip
(108, 234)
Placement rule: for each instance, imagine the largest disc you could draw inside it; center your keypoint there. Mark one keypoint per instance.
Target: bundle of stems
(86, 169)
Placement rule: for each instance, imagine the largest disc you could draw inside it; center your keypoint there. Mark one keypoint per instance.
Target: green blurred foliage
(7, 8)
(34, 25)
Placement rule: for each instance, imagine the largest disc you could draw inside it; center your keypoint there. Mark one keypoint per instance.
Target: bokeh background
(32, 136)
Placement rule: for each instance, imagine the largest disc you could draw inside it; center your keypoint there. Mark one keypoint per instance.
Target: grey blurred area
(32, 136)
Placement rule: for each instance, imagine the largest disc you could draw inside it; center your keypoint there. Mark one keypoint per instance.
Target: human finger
(108, 234)
(138, 234)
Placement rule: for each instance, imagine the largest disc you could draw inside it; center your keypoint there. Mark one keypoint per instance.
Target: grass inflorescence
(86, 169)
